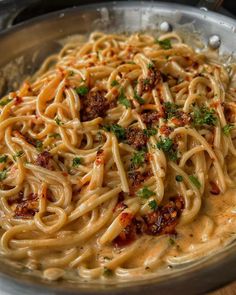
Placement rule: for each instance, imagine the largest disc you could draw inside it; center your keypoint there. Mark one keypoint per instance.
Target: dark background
(15, 11)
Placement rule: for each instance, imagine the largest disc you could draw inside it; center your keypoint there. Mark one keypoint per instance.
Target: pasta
(117, 159)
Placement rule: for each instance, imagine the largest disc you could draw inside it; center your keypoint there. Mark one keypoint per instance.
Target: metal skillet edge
(213, 271)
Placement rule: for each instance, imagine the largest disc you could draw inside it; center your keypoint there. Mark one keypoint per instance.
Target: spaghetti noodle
(117, 159)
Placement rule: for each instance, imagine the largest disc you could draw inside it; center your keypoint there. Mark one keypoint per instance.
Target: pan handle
(9, 9)
(210, 4)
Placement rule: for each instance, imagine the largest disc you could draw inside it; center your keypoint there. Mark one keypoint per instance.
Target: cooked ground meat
(12, 200)
(230, 112)
(150, 117)
(44, 159)
(27, 207)
(181, 119)
(134, 227)
(94, 105)
(165, 219)
(120, 206)
(165, 129)
(136, 138)
(136, 178)
(148, 83)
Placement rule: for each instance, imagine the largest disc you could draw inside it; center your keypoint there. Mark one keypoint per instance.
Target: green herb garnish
(71, 73)
(39, 145)
(118, 130)
(138, 158)
(76, 162)
(195, 181)
(145, 193)
(18, 155)
(5, 101)
(123, 99)
(167, 145)
(153, 205)
(165, 44)
(114, 83)
(58, 121)
(227, 128)
(3, 174)
(171, 241)
(55, 135)
(150, 131)
(170, 109)
(139, 99)
(150, 66)
(179, 178)
(3, 158)
(204, 116)
(82, 90)
(146, 81)
(107, 272)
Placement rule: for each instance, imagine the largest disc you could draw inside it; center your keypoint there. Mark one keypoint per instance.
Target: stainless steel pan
(23, 48)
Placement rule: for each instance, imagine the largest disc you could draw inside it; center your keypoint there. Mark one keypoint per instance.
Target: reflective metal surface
(26, 45)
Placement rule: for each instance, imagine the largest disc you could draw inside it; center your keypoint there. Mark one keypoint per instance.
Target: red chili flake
(125, 218)
(166, 130)
(18, 100)
(214, 188)
(99, 157)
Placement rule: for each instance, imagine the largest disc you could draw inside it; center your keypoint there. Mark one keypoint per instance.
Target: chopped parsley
(114, 83)
(153, 205)
(167, 146)
(107, 272)
(227, 128)
(139, 99)
(171, 241)
(71, 73)
(39, 145)
(138, 158)
(82, 90)
(146, 81)
(179, 178)
(165, 44)
(118, 130)
(204, 116)
(150, 66)
(3, 174)
(170, 109)
(3, 158)
(145, 193)
(18, 155)
(55, 135)
(76, 162)
(123, 99)
(150, 131)
(5, 101)
(195, 181)
(58, 121)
